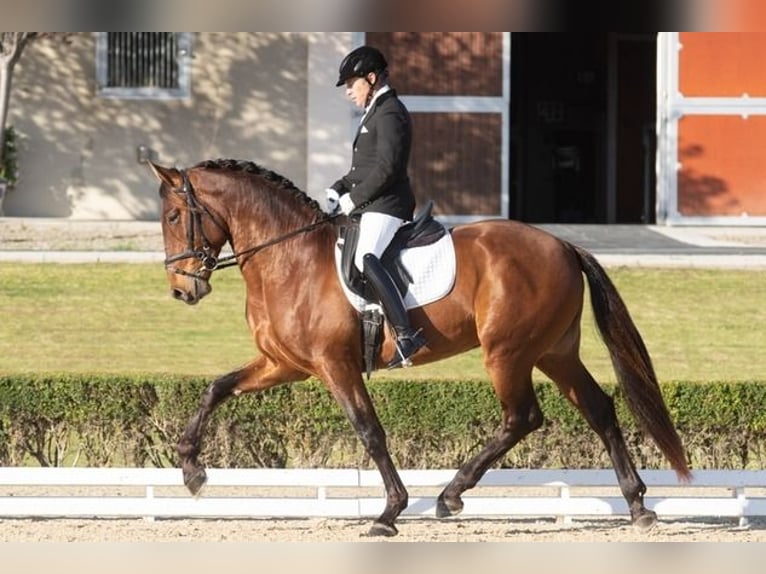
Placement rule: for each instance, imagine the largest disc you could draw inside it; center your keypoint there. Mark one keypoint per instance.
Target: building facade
(547, 127)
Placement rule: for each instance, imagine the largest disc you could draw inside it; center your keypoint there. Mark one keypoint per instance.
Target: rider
(377, 185)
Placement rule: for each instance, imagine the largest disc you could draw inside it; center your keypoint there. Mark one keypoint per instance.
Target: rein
(211, 262)
(230, 260)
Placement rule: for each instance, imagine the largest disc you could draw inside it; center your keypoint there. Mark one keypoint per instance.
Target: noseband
(194, 226)
(205, 254)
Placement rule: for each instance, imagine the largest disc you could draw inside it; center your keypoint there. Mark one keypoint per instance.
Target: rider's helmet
(360, 62)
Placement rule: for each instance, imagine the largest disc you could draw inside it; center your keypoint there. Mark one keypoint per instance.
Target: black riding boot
(408, 340)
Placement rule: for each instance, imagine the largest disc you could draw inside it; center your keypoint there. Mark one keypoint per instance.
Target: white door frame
(472, 104)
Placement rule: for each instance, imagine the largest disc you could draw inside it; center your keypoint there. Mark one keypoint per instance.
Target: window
(456, 86)
(143, 65)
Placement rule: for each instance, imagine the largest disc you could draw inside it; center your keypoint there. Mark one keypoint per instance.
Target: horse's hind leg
(577, 385)
(521, 416)
(258, 375)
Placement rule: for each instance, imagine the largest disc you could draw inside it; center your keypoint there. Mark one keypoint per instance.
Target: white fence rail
(245, 493)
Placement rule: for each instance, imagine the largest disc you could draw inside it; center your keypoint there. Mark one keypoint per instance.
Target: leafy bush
(136, 421)
(9, 167)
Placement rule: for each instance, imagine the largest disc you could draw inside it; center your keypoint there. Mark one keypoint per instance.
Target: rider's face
(357, 89)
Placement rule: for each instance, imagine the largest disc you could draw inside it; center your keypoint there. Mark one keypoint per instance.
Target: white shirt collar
(375, 96)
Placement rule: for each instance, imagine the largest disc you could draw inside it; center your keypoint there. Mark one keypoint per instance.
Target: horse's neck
(291, 244)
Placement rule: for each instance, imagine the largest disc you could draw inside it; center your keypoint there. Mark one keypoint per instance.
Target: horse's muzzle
(193, 292)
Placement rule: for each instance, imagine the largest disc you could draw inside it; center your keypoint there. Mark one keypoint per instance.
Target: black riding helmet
(360, 62)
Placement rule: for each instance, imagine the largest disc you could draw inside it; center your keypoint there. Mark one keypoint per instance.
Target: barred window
(143, 65)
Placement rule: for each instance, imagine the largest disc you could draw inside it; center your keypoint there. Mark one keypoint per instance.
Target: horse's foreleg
(258, 375)
(189, 446)
(521, 416)
(360, 411)
(577, 384)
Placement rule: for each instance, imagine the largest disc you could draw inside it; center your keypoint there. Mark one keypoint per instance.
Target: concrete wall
(265, 97)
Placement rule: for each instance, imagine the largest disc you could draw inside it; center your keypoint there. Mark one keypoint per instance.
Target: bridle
(205, 254)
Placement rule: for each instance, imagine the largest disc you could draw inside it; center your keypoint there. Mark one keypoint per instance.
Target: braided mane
(280, 181)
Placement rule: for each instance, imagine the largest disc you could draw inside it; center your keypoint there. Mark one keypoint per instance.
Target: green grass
(699, 325)
(116, 318)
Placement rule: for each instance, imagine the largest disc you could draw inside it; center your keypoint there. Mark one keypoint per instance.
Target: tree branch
(11, 46)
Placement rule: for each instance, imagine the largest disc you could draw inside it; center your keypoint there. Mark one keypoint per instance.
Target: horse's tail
(632, 364)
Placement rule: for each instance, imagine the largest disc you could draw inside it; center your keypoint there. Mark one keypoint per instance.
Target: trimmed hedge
(132, 421)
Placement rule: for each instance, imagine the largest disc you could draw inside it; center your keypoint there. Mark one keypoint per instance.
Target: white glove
(332, 200)
(346, 204)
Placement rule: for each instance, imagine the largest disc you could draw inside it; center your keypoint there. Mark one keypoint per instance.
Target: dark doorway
(635, 126)
(582, 116)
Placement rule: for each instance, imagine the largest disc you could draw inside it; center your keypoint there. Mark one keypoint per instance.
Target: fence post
(740, 495)
(564, 518)
(149, 495)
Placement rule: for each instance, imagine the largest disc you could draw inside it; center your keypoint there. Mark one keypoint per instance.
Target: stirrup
(405, 347)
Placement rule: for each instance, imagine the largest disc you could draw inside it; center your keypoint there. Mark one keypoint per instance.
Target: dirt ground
(354, 530)
(32, 234)
(65, 235)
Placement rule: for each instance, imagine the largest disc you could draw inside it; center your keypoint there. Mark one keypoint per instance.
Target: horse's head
(192, 233)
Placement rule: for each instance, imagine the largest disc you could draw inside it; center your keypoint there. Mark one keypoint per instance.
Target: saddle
(421, 231)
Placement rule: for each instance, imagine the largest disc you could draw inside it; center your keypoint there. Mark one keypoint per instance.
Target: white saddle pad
(432, 268)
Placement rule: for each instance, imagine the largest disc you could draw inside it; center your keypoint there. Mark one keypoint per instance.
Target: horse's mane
(279, 181)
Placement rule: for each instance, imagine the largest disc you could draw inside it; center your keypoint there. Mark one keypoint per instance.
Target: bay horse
(518, 294)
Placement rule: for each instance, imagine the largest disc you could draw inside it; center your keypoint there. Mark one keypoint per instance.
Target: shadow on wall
(455, 158)
(78, 152)
(700, 194)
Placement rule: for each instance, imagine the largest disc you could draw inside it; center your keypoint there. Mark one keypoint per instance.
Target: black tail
(632, 364)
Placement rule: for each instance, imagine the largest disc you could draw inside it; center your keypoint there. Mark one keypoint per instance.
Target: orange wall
(722, 156)
(715, 64)
(722, 165)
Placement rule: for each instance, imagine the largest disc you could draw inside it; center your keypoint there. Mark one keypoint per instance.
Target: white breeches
(376, 230)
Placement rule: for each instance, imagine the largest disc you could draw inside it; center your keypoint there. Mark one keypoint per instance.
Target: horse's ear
(169, 175)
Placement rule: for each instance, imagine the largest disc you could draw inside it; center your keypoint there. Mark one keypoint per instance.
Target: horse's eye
(173, 216)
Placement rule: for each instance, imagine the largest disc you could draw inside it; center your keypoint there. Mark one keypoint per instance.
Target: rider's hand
(346, 204)
(332, 200)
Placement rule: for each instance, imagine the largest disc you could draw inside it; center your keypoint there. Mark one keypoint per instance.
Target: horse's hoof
(448, 507)
(196, 481)
(645, 521)
(380, 529)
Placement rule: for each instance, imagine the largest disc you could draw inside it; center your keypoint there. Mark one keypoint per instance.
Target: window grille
(143, 65)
